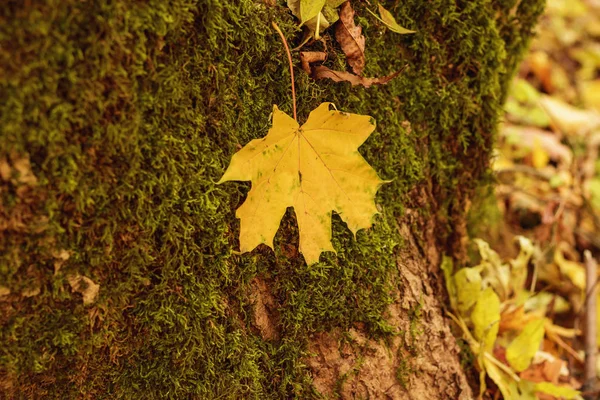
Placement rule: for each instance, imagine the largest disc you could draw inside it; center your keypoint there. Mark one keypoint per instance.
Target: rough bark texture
(116, 120)
(422, 362)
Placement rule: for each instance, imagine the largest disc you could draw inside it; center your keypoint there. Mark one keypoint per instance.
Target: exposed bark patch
(266, 316)
(437, 371)
(421, 362)
(362, 368)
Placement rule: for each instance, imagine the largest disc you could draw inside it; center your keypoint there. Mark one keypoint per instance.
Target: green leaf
(330, 14)
(527, 390)
(519, 264)
(486, 318)
(309, 9)
(494, 273)
(468, 287)
(542, 300)
(557, 391)
(388, 19)
(316, 24)
(594, 187)
(521, 351)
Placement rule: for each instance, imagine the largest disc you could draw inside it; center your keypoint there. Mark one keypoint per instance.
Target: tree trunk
(117, 118)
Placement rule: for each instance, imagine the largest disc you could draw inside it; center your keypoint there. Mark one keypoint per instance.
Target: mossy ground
(129, 113)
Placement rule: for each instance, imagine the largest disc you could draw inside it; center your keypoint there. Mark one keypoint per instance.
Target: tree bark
(119, 270)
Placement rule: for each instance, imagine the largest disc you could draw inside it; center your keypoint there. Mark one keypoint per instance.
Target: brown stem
(287, 49)
(591, 269)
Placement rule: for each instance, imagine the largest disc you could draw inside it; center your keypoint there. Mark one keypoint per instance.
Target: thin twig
(591, 272)
(287, 49)
(561, 343)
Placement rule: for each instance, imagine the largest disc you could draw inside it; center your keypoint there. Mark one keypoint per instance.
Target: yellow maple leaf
(315, 168)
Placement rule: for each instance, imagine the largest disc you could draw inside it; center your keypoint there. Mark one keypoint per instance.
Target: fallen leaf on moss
(315, 168)
(60, 257)
(31, 291)
(388, 19)
(350, 37)
(84, 285)
(307, 57)
(321, 72)
(4, 291)
(315, 25)
(310, 9)
(316, 15)
(23, 167)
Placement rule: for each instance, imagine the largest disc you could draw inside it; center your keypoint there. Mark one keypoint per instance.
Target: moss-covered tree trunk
(117, 117)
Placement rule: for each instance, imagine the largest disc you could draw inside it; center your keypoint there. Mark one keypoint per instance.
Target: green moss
(414, 317)
(403, 372)
(349, 374)
(130, 112)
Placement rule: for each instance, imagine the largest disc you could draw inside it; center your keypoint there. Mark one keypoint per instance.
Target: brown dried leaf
(84, 285)
(31, 292)
(351, 39)
(23, 167)
(61, 256)
(307, 57)
(321, 72)
(5, 170)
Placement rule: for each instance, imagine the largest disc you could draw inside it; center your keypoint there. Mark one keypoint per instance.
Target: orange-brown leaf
(307, 57)
(321, 72)
(350, 37)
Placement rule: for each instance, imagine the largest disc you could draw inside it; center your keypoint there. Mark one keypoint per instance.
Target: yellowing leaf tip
(388, 19)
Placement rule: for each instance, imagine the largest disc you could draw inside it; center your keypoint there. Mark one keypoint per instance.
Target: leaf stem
(287, 49)
(376, 16)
